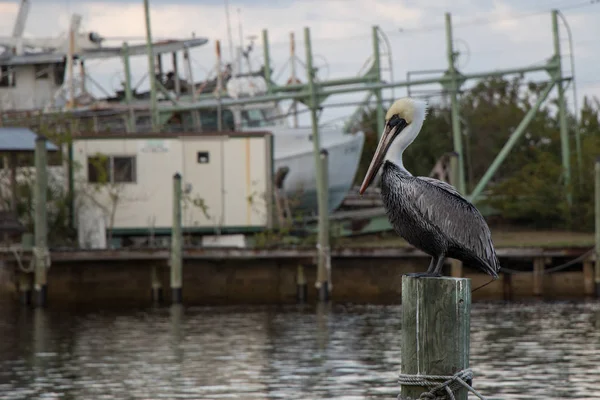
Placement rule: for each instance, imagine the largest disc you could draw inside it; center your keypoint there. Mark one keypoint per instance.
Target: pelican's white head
(403, 121)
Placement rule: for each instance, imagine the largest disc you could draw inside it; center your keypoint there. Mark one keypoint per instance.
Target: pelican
(428, 213)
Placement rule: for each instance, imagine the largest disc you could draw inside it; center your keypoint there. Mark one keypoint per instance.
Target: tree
(528, 188)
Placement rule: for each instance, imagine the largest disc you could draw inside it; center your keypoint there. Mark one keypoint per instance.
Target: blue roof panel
(20, 139)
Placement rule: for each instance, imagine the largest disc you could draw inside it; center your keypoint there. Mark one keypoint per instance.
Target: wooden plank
(456, 269)
(435, 329)
(208, 253)
(538, 276)
(588, 278)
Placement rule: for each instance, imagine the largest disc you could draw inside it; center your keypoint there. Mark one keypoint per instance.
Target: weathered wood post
(40, 249)
(435, 334)
(538, 276)
(301, 286)
(456, 265)
(24, 288)
(156, 284)
(324, 257)
(597, 223)
(176, 242)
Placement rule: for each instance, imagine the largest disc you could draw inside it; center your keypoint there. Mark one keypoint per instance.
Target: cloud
(486, 33)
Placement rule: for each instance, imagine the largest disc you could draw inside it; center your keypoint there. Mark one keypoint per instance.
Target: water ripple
(518, 351)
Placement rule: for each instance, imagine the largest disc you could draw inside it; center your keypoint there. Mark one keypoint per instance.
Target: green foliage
(528, 188)
(58, 202)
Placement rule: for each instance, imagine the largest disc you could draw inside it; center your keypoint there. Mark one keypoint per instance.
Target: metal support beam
(454, 86)
(333, 82)
(267, 63)
(304, 94)
(191, 88)
(175, 62)
(151, 70)
(293, 77)
(128, 92)
(512, 140)
(574, 83)
(377, 69)
(562, 111)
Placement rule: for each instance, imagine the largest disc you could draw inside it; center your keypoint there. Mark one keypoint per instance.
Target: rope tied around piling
(43, 254)
(325, 252)
(38, 253)
(441, 387)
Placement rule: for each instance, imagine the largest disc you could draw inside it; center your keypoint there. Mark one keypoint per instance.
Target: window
(112, 169)
(99, 169)
(7, 76)
(203, 157)
(253, 118)
(208, 120)
(41, 71)
(123, 169)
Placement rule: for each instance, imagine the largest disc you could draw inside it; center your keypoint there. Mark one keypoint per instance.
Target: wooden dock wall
(237, 276)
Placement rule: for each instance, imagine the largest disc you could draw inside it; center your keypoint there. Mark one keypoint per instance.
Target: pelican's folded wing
(445, 209)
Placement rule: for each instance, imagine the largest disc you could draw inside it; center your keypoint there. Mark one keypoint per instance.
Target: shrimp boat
(37, 78)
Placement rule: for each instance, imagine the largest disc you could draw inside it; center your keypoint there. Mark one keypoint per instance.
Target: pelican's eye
(396, 120)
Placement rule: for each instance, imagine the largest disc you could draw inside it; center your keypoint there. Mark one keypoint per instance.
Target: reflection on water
(518, 351)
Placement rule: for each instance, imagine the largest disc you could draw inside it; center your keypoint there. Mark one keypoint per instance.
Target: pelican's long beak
(387, 137)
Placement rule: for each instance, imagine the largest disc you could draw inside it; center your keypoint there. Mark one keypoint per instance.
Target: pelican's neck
(407, 136)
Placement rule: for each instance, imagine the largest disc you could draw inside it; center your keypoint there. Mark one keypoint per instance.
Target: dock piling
(538, 276)
(156, 285)
(435, 334)
(597, 223)
(24, 288)
(456, 265)
(320, 157)
(40, 250)
(324, 253)
(176, 242)
(301, 287)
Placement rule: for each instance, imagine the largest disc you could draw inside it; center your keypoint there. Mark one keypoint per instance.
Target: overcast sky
(490, 34)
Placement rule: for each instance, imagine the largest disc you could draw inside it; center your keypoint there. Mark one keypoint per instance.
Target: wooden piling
(435, 329)
(588, 278)
(538, 276)
(324, 258)
(301, 286)
(176, 242)
(156, 285)
(456, 268)
(597, 225)
(24, 288)
(506, 286)
(40, 223)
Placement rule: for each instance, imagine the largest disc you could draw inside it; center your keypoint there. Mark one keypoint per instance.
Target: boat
(37, 78)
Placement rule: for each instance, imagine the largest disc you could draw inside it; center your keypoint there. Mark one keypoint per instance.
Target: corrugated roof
(20, 139)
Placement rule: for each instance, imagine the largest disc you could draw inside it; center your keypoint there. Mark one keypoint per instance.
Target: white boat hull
(294, 149)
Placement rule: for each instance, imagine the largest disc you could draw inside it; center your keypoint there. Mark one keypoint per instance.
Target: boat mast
(229, 37)
(241, 48)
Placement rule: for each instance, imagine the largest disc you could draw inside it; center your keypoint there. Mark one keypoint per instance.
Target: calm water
(519, 351)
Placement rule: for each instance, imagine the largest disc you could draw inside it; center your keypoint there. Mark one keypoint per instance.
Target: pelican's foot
(423, 275)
